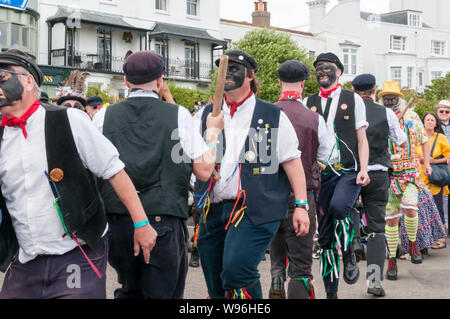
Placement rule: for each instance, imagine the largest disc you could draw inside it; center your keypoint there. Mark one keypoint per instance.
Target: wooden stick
(411, 101)
(164, 92)
(220, 85)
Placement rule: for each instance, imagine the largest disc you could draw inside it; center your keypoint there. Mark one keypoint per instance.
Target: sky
(287, 13)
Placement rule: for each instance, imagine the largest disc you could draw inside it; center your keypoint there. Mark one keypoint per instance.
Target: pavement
(429, 280)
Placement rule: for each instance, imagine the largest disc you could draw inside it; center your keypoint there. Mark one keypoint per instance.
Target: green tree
(270, 49)
(187, 97)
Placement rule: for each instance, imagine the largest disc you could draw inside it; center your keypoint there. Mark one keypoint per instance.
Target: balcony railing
(177, 69)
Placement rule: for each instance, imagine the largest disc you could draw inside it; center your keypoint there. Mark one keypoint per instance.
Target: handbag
(440, 175)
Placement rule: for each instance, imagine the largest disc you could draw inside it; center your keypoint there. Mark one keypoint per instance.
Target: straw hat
(391, 88)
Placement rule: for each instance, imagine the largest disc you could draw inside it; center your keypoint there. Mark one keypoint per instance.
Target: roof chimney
(261, 16)
(317, 12)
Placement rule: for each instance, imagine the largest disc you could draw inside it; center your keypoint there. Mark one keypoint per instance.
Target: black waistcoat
(81, 204)
(377, 134)
(267, 190)
(344, 123)
(144, 130)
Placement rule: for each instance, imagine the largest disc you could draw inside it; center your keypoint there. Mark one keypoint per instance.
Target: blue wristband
(141, 224)
(212, 145)
(301, 201)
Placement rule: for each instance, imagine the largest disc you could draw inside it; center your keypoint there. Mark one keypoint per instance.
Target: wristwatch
(302, 204)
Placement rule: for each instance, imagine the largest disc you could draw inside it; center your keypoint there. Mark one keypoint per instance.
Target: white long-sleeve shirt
(26, 189)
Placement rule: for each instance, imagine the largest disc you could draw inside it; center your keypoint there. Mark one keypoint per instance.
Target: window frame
(396, 68)
(441, 48)
(194, 3)
(166, 2)
(402, 43)
(351, 67)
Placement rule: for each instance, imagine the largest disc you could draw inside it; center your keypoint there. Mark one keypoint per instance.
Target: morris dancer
(403, 191)
(345, 115)
(161, 168)
(242, 211)
(52, 213)
(383, 124)
(315, 144)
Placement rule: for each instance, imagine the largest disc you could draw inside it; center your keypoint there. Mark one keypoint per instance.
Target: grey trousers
(298, 250)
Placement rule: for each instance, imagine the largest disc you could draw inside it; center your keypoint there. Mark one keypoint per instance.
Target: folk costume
(160, 168)
(314, 143)
(53, 221)
(383, 124)
(242, 211)
(404, 182)
(344, 113)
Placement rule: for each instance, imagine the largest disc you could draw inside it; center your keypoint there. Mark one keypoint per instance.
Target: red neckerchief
(290, 95)
(22, 121)
(234, 105)
(326, 94)
(367, 98)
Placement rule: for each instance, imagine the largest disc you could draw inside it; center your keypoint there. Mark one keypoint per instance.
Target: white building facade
(407, 45)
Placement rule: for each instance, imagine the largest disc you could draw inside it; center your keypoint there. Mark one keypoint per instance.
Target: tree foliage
(270, 49)
(187, 97)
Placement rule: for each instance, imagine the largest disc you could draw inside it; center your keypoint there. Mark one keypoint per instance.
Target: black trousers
(375, 197)
(165, 276)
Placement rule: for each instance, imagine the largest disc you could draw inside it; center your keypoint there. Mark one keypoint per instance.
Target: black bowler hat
(143, 67)
(94, 101)
(241, 57)
(364, 82)
(293, 71)
(329, 57)
(20, 58)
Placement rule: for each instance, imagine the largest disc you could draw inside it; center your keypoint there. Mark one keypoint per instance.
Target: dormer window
(414, 20)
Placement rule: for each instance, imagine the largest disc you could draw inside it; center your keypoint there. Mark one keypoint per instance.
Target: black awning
(188, 33)
(91, 17)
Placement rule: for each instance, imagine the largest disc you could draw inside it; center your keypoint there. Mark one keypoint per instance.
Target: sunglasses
(444, 111)
(3, 73)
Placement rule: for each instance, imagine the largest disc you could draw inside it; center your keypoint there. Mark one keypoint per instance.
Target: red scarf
(234, 105)
(326, 94)
(290, 95)
(22, 121)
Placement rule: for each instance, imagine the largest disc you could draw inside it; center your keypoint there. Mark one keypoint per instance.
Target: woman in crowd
(440, 154)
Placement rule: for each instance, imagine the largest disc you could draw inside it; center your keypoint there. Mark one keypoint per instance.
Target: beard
(12, 91)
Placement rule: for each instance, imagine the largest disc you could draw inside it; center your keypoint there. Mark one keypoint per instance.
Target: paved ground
(430, 280)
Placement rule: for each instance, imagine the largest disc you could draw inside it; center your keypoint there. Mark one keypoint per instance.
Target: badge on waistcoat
(344, 107)
(56, 175)
(347, 117)
(250, 156)
(314, 108)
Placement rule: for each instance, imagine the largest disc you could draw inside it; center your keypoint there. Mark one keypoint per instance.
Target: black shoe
(351, 270)
(358, 249)
(376, 291)
(194, 260)
(392, 270)
(416, 256)
(277, 288)
(332, 295)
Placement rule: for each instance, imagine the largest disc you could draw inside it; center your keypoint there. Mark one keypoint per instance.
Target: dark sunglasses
(3, 73)
(444, 111)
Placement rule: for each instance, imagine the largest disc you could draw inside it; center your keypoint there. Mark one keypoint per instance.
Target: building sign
(54, 75)
(14, 4)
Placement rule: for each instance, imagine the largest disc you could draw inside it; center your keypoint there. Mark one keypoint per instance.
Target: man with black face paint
(345, 173)
(242, 211)
(53, 223)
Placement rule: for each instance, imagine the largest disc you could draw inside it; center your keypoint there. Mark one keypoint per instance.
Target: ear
(126, 81)
(353, 88)
(159, 82)
(302, 84)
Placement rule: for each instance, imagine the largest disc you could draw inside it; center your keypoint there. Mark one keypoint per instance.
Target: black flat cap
(364, 82)
(94, 101)
(20, 58)
(241, 57)
(293, 71)
(143, 67)
(329, 57)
